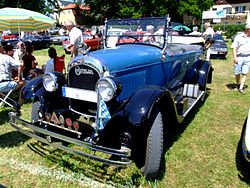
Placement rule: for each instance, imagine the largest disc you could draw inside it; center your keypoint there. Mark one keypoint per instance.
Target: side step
(187, 103)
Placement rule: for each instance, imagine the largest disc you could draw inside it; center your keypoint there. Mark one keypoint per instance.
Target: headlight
(106, 87)
(49, 82)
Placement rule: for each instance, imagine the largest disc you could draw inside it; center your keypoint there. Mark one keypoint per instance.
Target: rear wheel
(154, 149)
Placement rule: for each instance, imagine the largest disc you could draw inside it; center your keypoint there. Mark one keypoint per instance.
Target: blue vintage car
(120, 100)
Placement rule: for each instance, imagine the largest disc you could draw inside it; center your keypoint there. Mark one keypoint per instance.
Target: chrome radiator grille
(83, 77)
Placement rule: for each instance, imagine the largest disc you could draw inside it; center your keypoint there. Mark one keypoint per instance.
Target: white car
(59, 39)
(245, 138)
(243, 150)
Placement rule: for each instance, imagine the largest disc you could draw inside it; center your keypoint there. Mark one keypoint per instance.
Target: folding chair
(59, 65)
(4, 97)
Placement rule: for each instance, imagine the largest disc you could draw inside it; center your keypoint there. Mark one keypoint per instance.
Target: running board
(191, 103)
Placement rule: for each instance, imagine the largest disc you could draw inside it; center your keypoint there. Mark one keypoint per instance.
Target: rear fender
(204, 75)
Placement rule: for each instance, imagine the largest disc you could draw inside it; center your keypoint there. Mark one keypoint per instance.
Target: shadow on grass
(91, 169)
(242, 164)
(234, 86)
(4, 115)
(12, 139)
(176, 130)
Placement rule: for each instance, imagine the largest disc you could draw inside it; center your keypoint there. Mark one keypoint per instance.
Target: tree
(176, 9)
(42, 6)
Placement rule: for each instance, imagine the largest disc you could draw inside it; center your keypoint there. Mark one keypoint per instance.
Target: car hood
(126, 56)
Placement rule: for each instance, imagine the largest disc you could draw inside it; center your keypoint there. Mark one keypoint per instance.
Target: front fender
(140, 105)
(135, 118)
(144, 104)
(33, 88)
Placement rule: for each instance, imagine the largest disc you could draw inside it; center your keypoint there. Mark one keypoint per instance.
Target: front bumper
(120, 155)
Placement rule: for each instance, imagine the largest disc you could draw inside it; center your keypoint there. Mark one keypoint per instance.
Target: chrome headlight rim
(48, 87)
(112, 88)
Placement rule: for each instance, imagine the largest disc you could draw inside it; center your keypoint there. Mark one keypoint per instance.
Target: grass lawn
(202, 152)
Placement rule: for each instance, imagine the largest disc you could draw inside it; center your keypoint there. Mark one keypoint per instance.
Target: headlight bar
(106, 87)
(49, 82)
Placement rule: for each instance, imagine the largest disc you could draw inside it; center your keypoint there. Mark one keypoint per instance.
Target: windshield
(142, 30)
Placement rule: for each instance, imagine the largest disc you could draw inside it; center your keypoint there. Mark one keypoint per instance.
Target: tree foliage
(176, 9)
(42, 6)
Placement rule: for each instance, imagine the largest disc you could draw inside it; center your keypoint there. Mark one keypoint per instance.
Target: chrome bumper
(30, 130)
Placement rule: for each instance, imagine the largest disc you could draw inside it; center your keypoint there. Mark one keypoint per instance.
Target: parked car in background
(118, 104)
(59, 39)
(219, 47)
(12, 42)
(10, 37)
(54, 31)
(93, 42)
(37, 41)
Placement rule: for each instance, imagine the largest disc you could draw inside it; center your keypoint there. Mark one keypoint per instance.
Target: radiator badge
(80, 71)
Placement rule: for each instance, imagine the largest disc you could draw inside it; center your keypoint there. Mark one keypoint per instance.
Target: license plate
(222, 53)
(80, 94)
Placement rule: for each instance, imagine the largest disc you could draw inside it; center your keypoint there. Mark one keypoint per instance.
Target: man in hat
(76, 38)
(241, 57)
(149, 35)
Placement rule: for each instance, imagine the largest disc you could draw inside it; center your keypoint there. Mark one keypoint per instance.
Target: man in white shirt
(241, 57)
(6, 82)
(76, 38)
(209, 32)
(195, 31)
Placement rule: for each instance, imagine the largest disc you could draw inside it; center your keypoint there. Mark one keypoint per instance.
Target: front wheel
(34, 112)
(154, 149)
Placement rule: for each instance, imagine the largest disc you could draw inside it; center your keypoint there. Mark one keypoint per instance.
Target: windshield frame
(125, 31)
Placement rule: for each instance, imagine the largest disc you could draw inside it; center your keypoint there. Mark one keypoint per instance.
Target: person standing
(209, 33)
(241, 57)
(76, 38)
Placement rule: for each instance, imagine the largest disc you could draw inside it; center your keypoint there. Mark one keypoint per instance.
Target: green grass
(202, 152)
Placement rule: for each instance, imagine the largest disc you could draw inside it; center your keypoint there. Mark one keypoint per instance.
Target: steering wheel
(129, 37)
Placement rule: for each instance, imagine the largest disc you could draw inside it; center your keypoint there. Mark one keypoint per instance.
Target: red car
(8, 37)
(93, 41)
